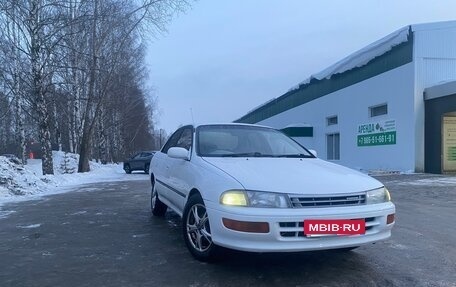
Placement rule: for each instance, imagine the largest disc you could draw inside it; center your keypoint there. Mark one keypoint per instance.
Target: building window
(378, 110)
(331, 121)
(333, 146)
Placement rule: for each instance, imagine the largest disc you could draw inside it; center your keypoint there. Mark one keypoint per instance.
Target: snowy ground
(18, 182)
(434, 181)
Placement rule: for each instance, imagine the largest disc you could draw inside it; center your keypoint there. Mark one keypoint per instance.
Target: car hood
(294, 175)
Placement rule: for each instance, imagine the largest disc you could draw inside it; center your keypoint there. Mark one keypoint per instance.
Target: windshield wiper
(259, 154)
(246, 154)
(298, 155)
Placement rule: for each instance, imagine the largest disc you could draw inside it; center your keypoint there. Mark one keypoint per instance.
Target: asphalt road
(104, 235)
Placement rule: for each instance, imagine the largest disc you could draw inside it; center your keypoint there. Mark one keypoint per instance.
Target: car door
(180, 172)
(134, 161)
(161, 165)
(144, 159)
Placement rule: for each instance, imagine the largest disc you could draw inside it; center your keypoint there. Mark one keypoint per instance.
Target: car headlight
(233, 197)
(254, 199)
(378, 195)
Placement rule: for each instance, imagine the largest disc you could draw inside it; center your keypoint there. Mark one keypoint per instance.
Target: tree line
(72, 76)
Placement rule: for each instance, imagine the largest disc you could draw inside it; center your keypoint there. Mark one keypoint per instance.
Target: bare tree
(11, 76)
(76, 68)
(115, 27)
(34, 39)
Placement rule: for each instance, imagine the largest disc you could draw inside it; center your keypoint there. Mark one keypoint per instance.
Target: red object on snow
(31, 156)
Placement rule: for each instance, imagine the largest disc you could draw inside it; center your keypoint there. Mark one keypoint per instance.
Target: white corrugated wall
(351, 105)
(435, 62)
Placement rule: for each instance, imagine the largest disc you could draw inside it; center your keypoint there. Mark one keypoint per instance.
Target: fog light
(390, 218)
(246, 226)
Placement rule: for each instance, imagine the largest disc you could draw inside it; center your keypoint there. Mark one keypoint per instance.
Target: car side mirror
(178, 152)
(314, 152)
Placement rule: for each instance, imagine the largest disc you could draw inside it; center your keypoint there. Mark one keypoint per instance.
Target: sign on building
(377, 133)
(449, 144)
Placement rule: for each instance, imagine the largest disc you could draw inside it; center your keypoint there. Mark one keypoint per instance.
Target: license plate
(327, 227)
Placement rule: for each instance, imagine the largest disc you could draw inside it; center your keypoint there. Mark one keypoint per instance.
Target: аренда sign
(377, 133)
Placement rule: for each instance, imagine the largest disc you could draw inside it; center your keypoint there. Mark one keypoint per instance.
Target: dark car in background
(140, 161)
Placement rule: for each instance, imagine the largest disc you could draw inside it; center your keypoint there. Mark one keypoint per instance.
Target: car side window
(185, 139)
(172, 141)
(136, 156)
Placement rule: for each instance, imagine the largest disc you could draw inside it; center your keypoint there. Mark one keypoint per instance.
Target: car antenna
(191, 113)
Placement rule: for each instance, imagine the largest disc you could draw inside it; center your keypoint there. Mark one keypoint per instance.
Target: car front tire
(158, 208)
(346, 249)
(197, 231)
(127, 169)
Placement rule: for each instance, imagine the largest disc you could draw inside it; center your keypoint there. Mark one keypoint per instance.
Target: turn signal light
(390, 218)
(246, 226)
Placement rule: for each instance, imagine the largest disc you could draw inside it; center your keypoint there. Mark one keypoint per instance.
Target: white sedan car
(253, 188)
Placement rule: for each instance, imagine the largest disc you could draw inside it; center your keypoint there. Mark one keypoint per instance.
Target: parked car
(252, 188)
(140, 161)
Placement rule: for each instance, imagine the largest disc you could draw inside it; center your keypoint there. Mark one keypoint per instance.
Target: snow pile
(65, 162)
(15, 179)
(18, 181)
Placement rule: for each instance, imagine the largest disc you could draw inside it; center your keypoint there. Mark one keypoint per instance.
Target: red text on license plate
(334, 226)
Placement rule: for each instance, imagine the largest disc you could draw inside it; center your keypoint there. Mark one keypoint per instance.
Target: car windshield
(246, 141)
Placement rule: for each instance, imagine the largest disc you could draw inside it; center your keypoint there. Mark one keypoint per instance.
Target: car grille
(299, 201)
(296, 229)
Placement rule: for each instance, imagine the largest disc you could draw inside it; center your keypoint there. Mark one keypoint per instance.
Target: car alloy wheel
(153, 198)
(127, 169)
(146, 169)
(197, 231)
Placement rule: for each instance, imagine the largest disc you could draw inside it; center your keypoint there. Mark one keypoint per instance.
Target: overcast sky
(224, 57)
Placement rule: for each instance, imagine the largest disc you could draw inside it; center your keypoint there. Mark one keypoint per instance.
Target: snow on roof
(361, 57)
(259, 106)
(441, 89)
(377, 48)
(298, 125)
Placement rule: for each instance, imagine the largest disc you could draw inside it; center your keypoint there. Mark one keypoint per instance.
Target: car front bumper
(286, 227)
